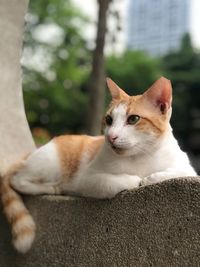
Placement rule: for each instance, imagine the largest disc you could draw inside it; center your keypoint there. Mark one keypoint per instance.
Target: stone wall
(157, 225)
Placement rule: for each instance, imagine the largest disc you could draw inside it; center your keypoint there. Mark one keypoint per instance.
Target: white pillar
(15, 136)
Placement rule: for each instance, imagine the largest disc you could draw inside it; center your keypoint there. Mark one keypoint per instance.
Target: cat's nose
(112, 138)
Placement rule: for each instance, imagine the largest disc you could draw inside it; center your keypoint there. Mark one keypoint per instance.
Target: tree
(96, 86)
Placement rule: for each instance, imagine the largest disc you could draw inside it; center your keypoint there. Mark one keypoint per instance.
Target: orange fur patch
(151, 118)
(26, 231)
(71, 149)
(10, 200)
(153, 107)
(93, 146)
(20, 216)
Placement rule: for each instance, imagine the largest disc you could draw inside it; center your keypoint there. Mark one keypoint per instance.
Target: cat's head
(136, 124)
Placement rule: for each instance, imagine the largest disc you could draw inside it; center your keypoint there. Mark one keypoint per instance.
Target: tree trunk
(15, 136)
(96, 85)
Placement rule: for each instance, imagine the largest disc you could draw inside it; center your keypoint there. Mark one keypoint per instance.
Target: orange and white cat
(138, 149)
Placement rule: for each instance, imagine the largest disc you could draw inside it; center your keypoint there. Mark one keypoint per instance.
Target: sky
(91, 9)
(195, 22)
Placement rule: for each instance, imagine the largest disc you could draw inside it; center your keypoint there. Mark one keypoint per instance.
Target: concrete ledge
(157, 225)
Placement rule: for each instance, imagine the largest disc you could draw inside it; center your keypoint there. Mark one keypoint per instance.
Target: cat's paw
(123, 184)
(132, 182)
(156, 178)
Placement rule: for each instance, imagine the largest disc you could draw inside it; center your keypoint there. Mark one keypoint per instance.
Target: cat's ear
(160, 94)
(115, 91)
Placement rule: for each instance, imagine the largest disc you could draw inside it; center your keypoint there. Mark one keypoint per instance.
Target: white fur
(26, 220)
(14, 208)
(147, 160)
(128, 137)
(24, 242)
(42, 164)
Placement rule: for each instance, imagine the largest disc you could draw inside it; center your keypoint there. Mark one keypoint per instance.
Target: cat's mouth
(118, 150)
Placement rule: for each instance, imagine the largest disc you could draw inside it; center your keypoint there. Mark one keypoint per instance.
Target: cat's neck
(165, 150)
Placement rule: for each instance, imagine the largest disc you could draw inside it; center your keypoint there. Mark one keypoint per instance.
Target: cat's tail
(22, 224)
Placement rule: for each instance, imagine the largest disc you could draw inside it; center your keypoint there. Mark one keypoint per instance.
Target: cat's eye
(108, 120)
(132, 119)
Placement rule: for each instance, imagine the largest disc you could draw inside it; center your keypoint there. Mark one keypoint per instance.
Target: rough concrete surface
(157, 225)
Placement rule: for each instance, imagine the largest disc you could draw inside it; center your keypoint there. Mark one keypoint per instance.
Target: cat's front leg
(105, 185)
(156, 178)
(167, 174)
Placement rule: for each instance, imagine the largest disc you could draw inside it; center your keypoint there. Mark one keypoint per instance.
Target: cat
(138, 148)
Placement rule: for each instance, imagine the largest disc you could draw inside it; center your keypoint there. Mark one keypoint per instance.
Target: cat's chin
(120, 150)
(124, 151)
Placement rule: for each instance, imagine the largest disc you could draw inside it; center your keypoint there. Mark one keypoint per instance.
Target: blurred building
(157, 26)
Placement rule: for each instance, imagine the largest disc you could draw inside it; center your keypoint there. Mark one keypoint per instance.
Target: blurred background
(70, 46)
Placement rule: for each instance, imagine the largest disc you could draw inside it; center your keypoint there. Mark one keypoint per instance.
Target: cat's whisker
(143, 150)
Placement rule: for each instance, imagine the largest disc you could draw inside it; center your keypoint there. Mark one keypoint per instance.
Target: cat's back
(75, 145)
(76, 150)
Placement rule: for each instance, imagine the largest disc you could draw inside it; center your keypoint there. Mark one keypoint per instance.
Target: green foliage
(183, 68)
(55, 66)
(134, 71)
